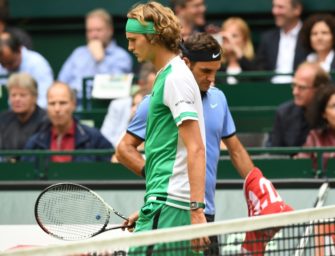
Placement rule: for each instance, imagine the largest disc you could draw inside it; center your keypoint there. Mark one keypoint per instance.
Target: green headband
(134, 26)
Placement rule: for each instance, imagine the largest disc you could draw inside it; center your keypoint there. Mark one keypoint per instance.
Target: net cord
(181, 233)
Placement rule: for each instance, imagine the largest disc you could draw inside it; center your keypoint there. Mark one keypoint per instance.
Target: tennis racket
(72, 212)
(319, 202)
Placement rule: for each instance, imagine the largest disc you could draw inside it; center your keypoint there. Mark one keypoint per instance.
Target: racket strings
(70, 212)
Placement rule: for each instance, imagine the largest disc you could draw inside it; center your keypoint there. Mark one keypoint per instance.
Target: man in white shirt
(280, 49)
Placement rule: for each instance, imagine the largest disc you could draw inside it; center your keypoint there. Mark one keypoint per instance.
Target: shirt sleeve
(138, 123)
(180, 96)
(228, 122)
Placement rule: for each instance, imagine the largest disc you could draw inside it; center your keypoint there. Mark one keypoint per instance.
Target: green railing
(276, 163)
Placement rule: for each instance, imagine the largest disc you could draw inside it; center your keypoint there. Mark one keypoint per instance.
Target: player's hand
(198, 217)
(262, 198)
(97, 49)
(130, 223)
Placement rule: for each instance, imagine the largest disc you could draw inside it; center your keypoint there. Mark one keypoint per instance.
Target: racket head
(71, 211)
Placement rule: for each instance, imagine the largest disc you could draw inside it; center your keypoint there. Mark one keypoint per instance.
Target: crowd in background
(42, 104)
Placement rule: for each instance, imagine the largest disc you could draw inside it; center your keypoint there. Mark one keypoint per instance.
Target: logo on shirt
(184, 101)
(213, 105)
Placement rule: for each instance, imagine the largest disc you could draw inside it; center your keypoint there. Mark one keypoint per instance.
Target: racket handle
(123, 227)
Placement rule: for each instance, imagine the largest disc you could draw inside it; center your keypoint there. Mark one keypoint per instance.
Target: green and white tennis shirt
(175, 98)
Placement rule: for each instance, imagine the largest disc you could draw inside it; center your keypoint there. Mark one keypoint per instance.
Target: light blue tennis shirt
(218, 124)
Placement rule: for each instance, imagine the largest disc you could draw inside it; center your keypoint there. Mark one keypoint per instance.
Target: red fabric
(262, 198)
(23, 246)
(66, 142)
(319, 138)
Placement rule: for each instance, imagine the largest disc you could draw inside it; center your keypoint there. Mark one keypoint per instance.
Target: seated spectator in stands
(25, 117)
(321, 117)
(191, 14)
(237, 47)
(22, 35)
(120, 111)
(16, 58)
(101, 55)
(318, 37)
(64, 132)
(279, 49)
(290, 127)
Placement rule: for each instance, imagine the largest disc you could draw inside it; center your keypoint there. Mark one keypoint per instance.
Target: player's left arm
(239, 156)
(189, 131)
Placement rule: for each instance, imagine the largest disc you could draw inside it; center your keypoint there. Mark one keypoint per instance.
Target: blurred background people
(321, 117)
(318, 37)
(237, 47)
(24, 117)
(290, 127)
(16, 58)
(191, 14)
(24, 38)
(63, 132)
(279, 49)
(120, 111)
(101, 55)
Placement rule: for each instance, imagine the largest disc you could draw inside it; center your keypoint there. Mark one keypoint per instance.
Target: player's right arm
(128, 155)
(127, 152)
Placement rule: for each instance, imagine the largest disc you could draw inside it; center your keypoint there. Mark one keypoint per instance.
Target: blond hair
(248, 49)
(102, 14)
(23, 80)
(165, 22)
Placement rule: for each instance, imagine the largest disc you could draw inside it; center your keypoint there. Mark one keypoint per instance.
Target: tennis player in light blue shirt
(204, 62)
(218, 125)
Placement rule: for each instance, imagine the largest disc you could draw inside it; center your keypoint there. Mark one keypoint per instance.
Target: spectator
(318, 37)
(101, 55)
(237, 46)
(191, 14)
(22, 35)
(121, 110)
(63, 132)
(16, 58)
(279, 49)
(321, 117)
(290, 127)
(25, 117)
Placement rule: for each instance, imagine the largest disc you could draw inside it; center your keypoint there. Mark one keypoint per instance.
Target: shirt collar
(293, 32)
(70, 132)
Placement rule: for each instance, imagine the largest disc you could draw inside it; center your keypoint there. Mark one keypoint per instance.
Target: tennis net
(303, 232)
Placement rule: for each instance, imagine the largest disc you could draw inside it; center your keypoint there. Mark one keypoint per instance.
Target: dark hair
(10, 40)
(4, 13)
(202, 41)
(177, 3)
(296, 3)
(314, 114)
(305, 34)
